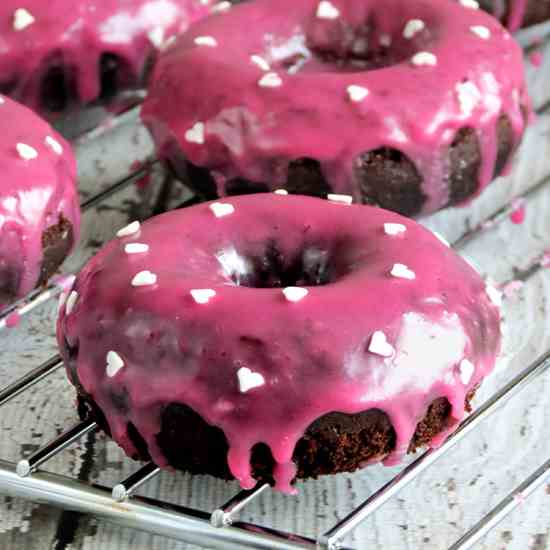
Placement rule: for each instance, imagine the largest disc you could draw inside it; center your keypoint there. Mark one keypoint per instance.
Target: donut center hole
(312, 266)
(345, 50)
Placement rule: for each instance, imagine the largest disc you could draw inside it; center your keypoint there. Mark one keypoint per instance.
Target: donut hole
(114, 75)
(313, 265)
(339, 47)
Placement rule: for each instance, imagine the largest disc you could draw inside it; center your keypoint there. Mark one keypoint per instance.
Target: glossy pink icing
(312, 355)
(34, 192)
(80, 31)
(254, 131)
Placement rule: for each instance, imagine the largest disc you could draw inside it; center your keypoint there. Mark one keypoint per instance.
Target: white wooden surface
(431, 513)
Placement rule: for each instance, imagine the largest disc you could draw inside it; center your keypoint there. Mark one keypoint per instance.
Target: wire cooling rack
(220, 528)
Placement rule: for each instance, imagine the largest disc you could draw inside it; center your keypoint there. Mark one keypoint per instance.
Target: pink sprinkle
(512, 288)
(517, 215)
(13, 319)
(536, 58)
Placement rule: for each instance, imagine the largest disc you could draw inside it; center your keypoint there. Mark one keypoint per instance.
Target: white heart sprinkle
(260, 62)
(249, 380)
(494, 295)
(466, 371)
(424, 59)
(136, 248)
(71, 302)
(270, 80)
(156, 36)
(26, 152)
(22, 19)
(55, 146)
(221, 7)
(129, 230)
(144, 278)
(473, 4)
(413, 27)
(221, 209)
(202, 295)
(195, 134)
(280, 192)
(394, 228)
(481, 31)
(468, 95)
(357, 93)
(327, 10)
(2, 100)
(206, 41)
(379, 345)
(401, 271)
(295, 293)
(114, 363)
(342, 199)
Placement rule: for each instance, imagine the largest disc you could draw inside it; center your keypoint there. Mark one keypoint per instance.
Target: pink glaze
(312, 355)
(34, 193)
(536, 58)
(254, 131)
(79, 32)
(517, 216)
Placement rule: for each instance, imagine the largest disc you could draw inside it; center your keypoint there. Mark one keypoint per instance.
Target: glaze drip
(256, 364)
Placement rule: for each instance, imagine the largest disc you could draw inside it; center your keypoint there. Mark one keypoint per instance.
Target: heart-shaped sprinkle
(249, 380)
(424, 59)
(379, 345)
(468, 95)
(473, 4)
(136, 248)
(26, 152)
(481, 31)
(270, 80)
(54, 145)
(466, 371)
(114, 363)
(129, 230)
(221, 209)
(295, 293)
(327, 10)
(22, 19)
(401, 271)
(220, 7)
(394, 229)
(206, 41)
(357, 93)
(71, 302)
(144, 278)
(202, 295)
(195, 134)
(280, 192)
(413, 27)
(260, 62)
(342, 199)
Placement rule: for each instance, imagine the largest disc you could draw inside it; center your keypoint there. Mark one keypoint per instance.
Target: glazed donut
(39, 210)
(61, 53)
(410, 105)
(248, 338)
(517, 13)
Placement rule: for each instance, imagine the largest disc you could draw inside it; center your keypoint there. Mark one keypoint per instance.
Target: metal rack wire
(221, 528)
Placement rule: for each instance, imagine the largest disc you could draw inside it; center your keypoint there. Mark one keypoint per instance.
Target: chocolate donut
(516, 13)
(410, 105)
(39, 210)
(61, 53)
(277, 337)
